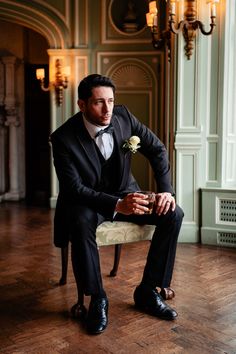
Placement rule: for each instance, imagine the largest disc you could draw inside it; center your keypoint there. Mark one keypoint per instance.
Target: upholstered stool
(113, 233)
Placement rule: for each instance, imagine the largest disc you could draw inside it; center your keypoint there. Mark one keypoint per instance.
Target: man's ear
(81, 105)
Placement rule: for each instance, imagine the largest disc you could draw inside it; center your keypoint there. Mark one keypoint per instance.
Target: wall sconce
(60, 83)
(159, 38)
(188, 26)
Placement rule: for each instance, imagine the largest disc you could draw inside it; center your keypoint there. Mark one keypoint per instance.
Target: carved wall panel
(124, 22)
(138, 84)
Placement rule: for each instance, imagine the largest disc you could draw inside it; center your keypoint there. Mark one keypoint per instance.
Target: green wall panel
(137, 103)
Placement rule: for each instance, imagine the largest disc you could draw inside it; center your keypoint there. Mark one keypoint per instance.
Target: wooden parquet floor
(34, 310)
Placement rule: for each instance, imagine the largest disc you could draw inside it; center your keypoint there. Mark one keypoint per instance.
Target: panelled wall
(205, 136)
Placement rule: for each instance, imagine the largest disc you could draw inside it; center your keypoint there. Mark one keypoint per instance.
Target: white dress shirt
(105, 142)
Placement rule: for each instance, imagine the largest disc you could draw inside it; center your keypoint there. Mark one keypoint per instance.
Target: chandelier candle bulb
(213, 10)
(172, 8)
(213, 6)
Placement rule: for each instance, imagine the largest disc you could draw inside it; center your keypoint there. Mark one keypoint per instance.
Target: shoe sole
(96, 332)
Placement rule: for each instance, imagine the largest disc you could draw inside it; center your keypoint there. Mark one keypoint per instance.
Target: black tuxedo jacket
(78, 167)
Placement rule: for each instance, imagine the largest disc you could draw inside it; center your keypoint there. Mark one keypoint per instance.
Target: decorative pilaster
(12, 122)
(2, 135)
(193, 81)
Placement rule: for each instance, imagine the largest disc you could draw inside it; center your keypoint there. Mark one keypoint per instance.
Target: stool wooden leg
(80, 297)
(116, 260)
(64, 265)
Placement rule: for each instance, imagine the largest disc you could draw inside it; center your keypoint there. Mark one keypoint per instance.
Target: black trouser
(161, 256)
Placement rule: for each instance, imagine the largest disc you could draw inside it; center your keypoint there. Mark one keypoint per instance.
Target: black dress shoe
(78, 311)
(97, 319)
(151, 302)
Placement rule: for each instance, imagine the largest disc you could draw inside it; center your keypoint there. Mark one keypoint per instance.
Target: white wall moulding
(187, 162)
(227, 94)
(81, 69)
(189, 233)
(212, 163)
(188, 140)
(186, 78)
(230, 173)
(81, 12)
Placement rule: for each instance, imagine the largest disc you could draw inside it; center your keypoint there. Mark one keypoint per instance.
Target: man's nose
(105, 107)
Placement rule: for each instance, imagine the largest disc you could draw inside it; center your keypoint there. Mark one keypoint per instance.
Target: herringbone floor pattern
(34, 310)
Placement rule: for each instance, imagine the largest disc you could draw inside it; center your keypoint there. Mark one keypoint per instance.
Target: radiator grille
(226, 239)
(228, 210)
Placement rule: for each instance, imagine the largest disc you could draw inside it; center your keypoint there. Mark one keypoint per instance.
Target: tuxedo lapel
(124, 159)
(87, 144)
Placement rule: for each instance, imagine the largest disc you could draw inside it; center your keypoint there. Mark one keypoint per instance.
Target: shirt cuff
(115, 212)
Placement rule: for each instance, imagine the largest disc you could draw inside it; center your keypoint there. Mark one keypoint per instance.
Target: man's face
(98, 108)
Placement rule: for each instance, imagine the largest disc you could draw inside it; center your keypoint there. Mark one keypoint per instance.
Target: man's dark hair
(94, 80)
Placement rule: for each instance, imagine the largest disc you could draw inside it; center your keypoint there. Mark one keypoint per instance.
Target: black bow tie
(108, 130)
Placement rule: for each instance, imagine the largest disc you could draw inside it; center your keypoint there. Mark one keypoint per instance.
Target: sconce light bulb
(66, 71)
(152, 7)
(213, 6)
(40, 74)
(151, 16)
(149, 19)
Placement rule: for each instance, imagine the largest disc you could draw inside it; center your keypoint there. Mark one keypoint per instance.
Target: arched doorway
(26, 32)
(25, 136)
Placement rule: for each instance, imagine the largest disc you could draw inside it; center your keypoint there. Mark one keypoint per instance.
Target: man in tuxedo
(95, 184)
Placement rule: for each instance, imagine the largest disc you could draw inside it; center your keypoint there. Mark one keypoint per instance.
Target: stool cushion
(111, 233)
